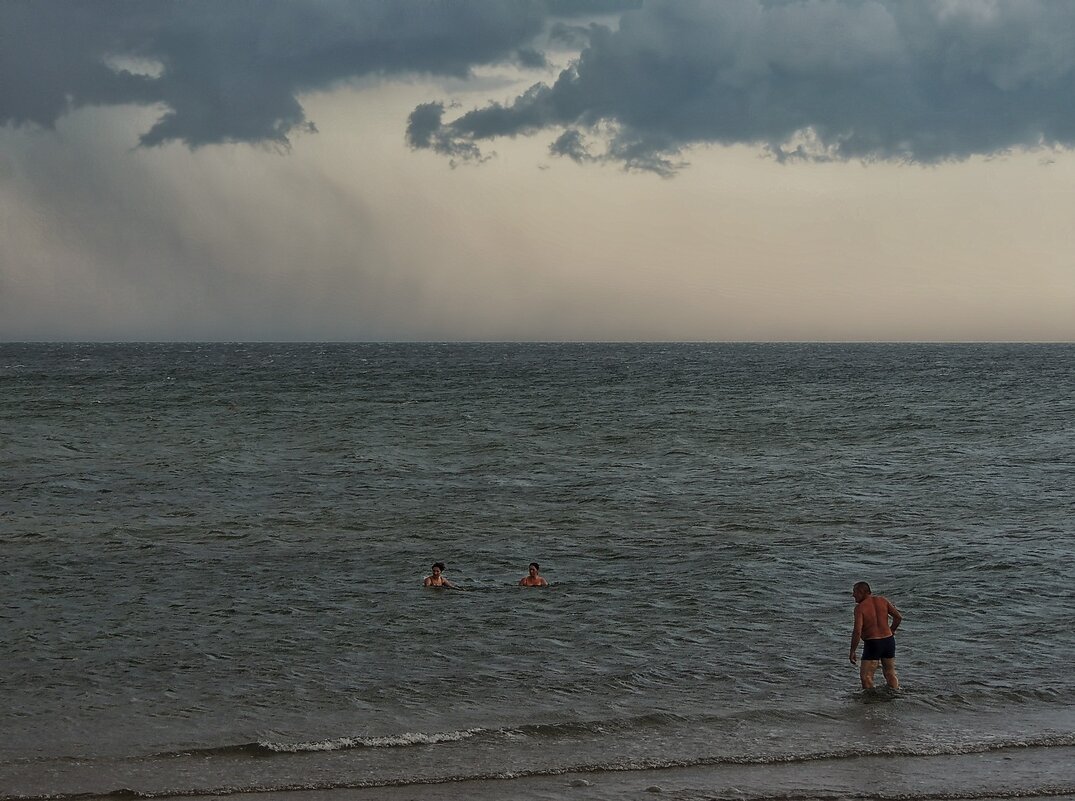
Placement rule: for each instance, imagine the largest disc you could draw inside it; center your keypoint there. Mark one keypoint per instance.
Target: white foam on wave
(387, 741)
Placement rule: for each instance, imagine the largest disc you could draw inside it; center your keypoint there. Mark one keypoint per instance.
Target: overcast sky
(765, 170)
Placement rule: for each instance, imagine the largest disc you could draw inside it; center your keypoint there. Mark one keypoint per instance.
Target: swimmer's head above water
(533, 577)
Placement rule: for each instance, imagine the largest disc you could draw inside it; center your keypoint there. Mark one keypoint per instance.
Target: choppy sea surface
(212, 559)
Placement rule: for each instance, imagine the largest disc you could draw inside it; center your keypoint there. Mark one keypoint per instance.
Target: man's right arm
(856, 635)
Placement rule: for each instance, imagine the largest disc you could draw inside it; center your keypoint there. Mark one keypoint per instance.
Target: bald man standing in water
(878, 643)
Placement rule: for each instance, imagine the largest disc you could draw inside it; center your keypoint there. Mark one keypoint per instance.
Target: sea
(212, 555)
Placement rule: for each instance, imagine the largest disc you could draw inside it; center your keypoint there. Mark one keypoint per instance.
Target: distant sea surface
(212, 559)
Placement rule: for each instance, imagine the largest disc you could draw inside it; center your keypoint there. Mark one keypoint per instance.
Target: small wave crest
(269, 747)
(1054, 741)
(409, 739)
(387, 741)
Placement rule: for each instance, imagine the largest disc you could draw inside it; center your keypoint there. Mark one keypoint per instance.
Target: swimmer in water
(532, 579)
(436, 579)
(872, 613)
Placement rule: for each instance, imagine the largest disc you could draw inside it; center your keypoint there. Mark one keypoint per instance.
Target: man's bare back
(873, 613)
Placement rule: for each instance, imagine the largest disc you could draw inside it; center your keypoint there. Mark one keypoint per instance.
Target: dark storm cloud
(817, 79)
(232, 71)
(425, 130)
(572, 144)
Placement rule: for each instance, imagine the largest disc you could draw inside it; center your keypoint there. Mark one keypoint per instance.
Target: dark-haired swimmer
(878, 643)
(532, 579)
(436, 579)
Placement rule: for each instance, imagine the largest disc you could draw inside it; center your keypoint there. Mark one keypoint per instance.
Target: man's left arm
(897, 618)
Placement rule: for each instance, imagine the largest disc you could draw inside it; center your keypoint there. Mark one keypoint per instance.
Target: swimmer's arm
(427, 581)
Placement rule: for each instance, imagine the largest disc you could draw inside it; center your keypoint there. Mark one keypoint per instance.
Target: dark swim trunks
(884, 648)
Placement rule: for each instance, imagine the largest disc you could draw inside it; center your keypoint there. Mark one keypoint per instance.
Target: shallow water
(213, 557)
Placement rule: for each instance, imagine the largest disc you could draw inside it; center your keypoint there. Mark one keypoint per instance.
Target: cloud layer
(815, 79)
(802, 79)
(233, 72)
